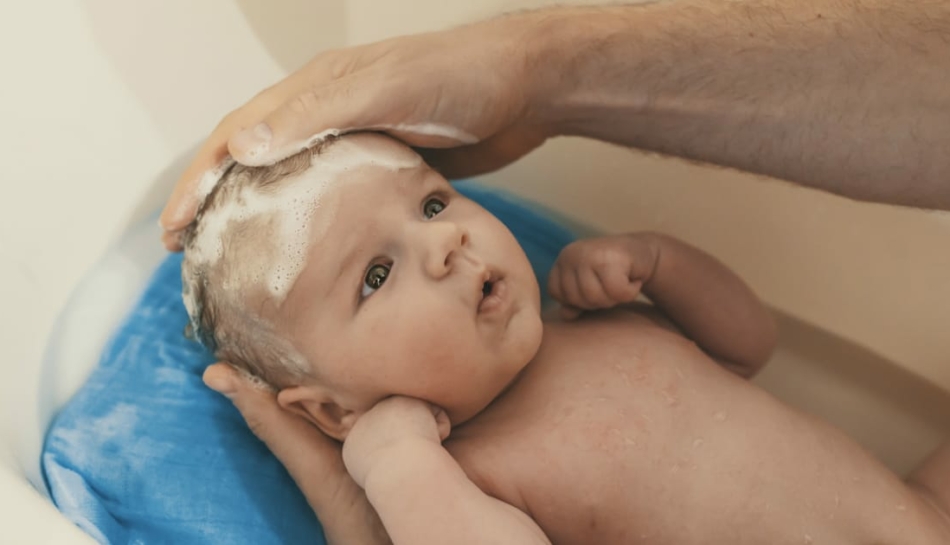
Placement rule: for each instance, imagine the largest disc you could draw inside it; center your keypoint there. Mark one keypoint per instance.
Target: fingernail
(253, 142)
(164, 219)
(220, 382)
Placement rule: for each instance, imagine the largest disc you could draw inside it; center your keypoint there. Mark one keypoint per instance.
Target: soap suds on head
(203, 187)
(287, 212)
(211, 178)
(425, 129)
(254, 381)
(252, 239)
(320, 138)
(432, 129)
(297, 146)
(263, 153)
(287, 209)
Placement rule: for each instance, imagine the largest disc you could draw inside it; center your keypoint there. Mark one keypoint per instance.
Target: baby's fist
(603, 272)
(393, 423)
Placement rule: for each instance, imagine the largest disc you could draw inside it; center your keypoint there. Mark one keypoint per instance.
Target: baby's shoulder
(636, 331)
(640, 318)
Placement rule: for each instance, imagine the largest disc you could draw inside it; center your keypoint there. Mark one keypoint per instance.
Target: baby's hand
(391, 425)
(604, 272)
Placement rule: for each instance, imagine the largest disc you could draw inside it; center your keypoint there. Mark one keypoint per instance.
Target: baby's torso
(624, 432)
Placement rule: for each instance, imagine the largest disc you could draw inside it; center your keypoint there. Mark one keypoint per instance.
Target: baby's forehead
(366, 149)
(357, 164)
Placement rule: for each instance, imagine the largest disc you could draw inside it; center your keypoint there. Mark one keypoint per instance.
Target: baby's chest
(601, 392)
(579, 443)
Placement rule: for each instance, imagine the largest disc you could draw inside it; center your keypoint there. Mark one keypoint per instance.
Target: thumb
(442, 422)
(311, 458)
(221, 378)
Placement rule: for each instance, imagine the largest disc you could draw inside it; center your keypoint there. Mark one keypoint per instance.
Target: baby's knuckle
(569, 250)
(606, 256)
(616, 290)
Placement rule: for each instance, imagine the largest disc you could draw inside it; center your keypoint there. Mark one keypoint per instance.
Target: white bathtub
(103, 99)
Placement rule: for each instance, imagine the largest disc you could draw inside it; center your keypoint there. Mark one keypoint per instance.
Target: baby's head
(353, 272)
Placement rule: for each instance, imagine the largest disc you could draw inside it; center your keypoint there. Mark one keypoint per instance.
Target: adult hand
(312, 459)
(465, 95)
(657, 76)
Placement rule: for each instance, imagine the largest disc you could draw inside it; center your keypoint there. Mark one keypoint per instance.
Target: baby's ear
(319, 407)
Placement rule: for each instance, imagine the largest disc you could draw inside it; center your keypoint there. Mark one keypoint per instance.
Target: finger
(207, 166)
(554, 283)
(172, 241)
(291, 438)
(570, 288)
(313, 460)
(194, 185)
(221, 378)
(592, 289)
(487, 156)
(618, 285)
(568, 313)
(442, 423)
(317, 112)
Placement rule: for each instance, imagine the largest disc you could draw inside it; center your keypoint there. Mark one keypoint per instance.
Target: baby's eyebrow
(341, 285)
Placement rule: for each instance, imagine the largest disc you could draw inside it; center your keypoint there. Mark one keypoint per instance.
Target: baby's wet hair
(218, 317)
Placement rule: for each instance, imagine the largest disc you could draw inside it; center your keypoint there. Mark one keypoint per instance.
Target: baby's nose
(444, 241)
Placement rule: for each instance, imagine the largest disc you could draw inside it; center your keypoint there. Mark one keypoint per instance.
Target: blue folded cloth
(145, 453)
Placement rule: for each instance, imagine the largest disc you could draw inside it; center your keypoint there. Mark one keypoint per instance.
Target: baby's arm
(419, 491)
(712, 305)
(707, 301)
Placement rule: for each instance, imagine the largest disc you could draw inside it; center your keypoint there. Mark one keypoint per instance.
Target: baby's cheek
(437, 339)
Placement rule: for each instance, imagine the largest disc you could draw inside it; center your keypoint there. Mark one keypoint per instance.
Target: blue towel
(145, 453)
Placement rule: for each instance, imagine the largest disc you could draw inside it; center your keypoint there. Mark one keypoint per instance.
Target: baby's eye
(432, 207)
(375, 278)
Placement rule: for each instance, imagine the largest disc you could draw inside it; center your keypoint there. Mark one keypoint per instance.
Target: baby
(382, 305)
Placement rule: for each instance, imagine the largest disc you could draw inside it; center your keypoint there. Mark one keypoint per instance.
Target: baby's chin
(524, 345)
(531, 336)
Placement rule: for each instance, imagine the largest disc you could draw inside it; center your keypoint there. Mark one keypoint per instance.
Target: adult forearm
(344, 512)
(849, 96)
(353, 522)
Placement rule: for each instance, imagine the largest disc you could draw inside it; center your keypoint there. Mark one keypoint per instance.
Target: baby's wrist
(648, 245)
(406, 463)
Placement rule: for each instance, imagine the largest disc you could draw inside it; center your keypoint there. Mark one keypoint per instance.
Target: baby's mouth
(493, 293)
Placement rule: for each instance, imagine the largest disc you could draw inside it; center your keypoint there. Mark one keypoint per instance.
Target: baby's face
(411, 289)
